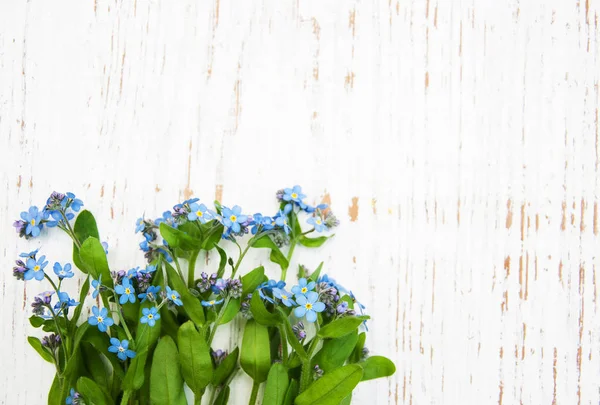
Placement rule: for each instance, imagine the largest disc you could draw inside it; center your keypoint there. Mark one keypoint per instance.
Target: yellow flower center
(308, 305)
(284, 297)
(36, 268)
(100, 319)
(199, 213)
(33, 222)
(173, 297)
(211, 302)
(318, 221)
(233, 218)
(294, 195)
(150, 316)
(304, 289)
(127, 291)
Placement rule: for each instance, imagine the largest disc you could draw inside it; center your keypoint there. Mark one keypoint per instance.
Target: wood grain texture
(456, 140)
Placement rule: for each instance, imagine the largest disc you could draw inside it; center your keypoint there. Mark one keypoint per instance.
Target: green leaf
(227, 366)
(134, 378)
(85, 226)
(72, 363)
(333, 387)
(252, 280)
(100, 341)
(179, 239)
(55, 393)
(95, 365)
(194, 356)
(212, 235)
(377, 367)
(313, 242)
(255, 356)
(36, 321)
(357, 354)
(277, 384)
(315, 274)
(166, 383)
(223, 396)
(276, 255)
(222, 262)
(291, 393)
(37, 345)
(335, 352)
(94, 259)
(93, 394)
(341, 326)
(230, 311)
(191, 304)
(85, 288)
(261, 314)
(347, 400)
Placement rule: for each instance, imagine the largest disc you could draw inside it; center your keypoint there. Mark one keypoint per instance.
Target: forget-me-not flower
(317, 222)
(309, 305)
(150, 316)
(63, 271)
(33, 217)
(211, 303)
(126, 291)
(303, 287)
(100, 318)
(174, 296)
(150, 293)
(232, 218)
(293, 194)
(284, 296)
(121, 348)
(35, 269)
(199, 212)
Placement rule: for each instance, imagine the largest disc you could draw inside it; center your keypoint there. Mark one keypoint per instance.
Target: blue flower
(139, 225)
(100, 318)
(167, 218)
(133, 272)
(219, 286)
(310, 209)
(149, 269)
(105, 246)
(269, 285)
(35, 269)
(284, 296)
(232, 218)
(281, 219)
(144, 246)
(30, 254)
(150, 317)
(200, 212)
(293, 194)
(57, 217)
(76, 203)
(317, 222)
(72, 398)
(265, 297)
(354, 300)
(64, 298)
(332, 283)
(174, 297)
(121, 348)
(150, 293)
(126, 291)
(97, 284)
(63, 272)
(257, 222)
(211, 303)
(33, 218)
(309, 305)
(303, 287)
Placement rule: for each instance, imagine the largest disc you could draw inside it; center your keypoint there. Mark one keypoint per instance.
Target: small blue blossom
(232, 218)
(332, 283)
(303, 287)
(139, 225)
(199, 212)
(58, 218)
(133, 272)
(30, 254)
(309, 305)
(219, 286)
(97, 284)
(284, 296)
(63, 272)
(121, 348)
(76, 203)
(100, 318)
(73, 398)
(144, 246)
(167, 218)
(126, 291)
(354, 300)
(293, 194)
(150, 293)
(149, 269)
(212, 303)
(269, 285)
(317, 222)
(257, 222)
(281, 219)
(35, 269)
(105, 246)
(33, 218)
(174, 296)
(150, 316)
(265, 296)
(65, 299)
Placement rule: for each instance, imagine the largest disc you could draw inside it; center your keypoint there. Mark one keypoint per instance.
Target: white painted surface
(467, 132)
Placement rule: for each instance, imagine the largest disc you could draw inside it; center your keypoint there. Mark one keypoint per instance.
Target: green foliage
(85, 226)
(94, 260)
(194, 357)
(255, 356)
(191, 304)
(92, 392)
(277, 384)
(37, 345)
(226, 368)
(276, 255)
(252, 280)
(166, 382)
(335, 352)
(261, 314)
(377, 367)
(342, 326)
(333, 387)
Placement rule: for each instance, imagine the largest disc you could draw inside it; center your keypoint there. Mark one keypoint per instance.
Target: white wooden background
(456, 140)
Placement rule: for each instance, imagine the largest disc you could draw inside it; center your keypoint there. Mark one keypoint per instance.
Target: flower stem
(122, 318)
(62, 338)
(70, 229)
(125, 399)
(242, 254)
(284, 347)
(192, 268)
(219, 316)
(289, 257)
(254, 393)
(306, 369)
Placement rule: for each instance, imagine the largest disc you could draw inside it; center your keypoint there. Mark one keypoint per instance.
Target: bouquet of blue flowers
(150, 332)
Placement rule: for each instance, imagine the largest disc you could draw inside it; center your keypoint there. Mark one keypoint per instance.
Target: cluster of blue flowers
(234, 221)
(129, 287)
(218, 288)
(57, 212)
